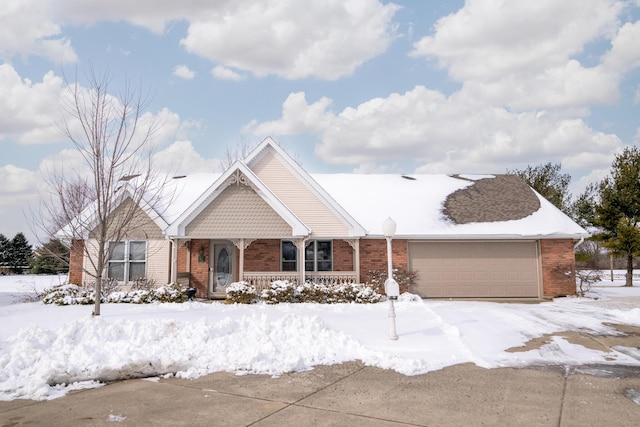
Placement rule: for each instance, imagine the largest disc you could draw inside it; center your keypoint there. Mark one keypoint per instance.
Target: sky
(48, 350)
(435, 86)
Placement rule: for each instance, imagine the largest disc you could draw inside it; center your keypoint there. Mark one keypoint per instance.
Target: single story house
(266, 218)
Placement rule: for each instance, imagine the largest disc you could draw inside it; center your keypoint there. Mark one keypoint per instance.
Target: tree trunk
(96, 309)
(629, 275)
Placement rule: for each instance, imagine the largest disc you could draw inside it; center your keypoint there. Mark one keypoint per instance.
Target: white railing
(262, 280)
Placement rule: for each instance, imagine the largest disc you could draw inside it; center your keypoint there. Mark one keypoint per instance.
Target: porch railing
(262, 280)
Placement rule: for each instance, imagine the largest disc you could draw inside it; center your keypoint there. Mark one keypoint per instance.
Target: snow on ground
(46, 351)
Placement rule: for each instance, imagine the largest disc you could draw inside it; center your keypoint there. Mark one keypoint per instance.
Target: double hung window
(128, 260)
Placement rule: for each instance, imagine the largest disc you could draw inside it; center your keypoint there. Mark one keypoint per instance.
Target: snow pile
(47, 350)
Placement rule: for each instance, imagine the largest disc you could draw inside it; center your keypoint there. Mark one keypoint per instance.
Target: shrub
(241, 293)
(72, 294)
(280, 291)
(312, 292)
(354, 292)
(405, 279)
(144, 284)
(69, 295)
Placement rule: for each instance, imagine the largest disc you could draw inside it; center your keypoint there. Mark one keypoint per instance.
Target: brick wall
(557, 258)
(343, 255)
(182, 258)
(373, 255)
(262, 255)
(75, 262)
(199, 278)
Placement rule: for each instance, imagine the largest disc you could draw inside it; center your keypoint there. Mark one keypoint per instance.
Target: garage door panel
(475, 269)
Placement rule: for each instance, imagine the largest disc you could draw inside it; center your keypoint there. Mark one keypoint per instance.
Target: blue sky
(362, 86)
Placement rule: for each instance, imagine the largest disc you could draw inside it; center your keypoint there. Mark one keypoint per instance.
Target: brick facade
(373, 255)
(199, 277)
(557, 259)
(76, 258)
(262, 255)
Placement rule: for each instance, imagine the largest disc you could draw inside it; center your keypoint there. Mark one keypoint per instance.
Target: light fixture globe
(389, 227)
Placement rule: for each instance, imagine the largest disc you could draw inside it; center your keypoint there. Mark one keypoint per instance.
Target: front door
(222, 266)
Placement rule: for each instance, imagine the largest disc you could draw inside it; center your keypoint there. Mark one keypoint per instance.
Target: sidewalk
(355, 395)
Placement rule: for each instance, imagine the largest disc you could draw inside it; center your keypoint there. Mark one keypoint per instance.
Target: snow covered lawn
(47, 350)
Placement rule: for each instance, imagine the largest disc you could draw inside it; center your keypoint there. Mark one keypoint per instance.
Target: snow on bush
(283, 291)
(280, 291)
(241, 293)
(73, 295)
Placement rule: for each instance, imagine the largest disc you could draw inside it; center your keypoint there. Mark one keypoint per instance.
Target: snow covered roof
(502, 207)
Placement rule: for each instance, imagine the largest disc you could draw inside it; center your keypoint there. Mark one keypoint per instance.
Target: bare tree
(99, 206)
(239, 152)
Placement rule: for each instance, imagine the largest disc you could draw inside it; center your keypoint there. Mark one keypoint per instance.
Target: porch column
(241, 244)
(300, 245)
(241, 260)
(357, 259)
(174, 261)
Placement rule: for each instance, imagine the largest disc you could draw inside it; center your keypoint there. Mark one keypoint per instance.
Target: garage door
(475, 269)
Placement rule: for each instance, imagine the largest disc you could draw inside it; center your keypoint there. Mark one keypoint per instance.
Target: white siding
(158, 260)
(300, 199)
(238, 212)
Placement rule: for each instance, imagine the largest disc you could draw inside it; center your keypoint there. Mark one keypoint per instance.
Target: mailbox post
(391, 287)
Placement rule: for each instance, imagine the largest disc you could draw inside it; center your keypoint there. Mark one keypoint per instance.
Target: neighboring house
(266, 218)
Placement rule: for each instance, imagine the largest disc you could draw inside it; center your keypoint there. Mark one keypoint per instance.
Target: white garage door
(475, 269)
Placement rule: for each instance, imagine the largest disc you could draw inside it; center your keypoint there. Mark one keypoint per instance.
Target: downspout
(579, 243)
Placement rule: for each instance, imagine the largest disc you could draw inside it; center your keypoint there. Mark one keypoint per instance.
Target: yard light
(391, 287)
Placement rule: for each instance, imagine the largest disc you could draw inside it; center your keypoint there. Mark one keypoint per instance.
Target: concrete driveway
(355, 395)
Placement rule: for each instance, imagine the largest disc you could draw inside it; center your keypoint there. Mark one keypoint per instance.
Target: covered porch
(210, 265)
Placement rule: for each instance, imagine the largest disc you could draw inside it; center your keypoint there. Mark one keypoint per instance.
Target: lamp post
(391, 287)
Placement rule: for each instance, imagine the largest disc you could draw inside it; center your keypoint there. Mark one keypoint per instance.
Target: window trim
(126, 260)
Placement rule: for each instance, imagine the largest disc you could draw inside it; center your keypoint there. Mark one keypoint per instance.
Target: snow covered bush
(280, 291)
(404, 277)
(69, 295)
(241, 293)
(312, 292)
(353, 292)
(73, 294)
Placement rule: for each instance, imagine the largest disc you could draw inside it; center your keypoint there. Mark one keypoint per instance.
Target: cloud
(183, 72)
(27, 27)
(29, 111)
(224, 73)
(180, 158)
(442, 134)
(526, 55)
(293, 39)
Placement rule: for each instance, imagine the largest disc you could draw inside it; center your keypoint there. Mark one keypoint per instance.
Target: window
(128, 260)
(289, 256)
(317, 256)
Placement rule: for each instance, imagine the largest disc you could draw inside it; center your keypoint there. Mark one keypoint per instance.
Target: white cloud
(180, 158)
(29, 111)
(442, 134)
(293, 39)
(183, 72)
(27, 27)
(524, 55)
(224, 73)
(288, 38)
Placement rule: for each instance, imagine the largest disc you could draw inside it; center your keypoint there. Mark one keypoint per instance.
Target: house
(266, 219)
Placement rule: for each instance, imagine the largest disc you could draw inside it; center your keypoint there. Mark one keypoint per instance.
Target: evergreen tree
(51, 258)
(4, 251)
(550, 183)
(617, 214)
(19, 253)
